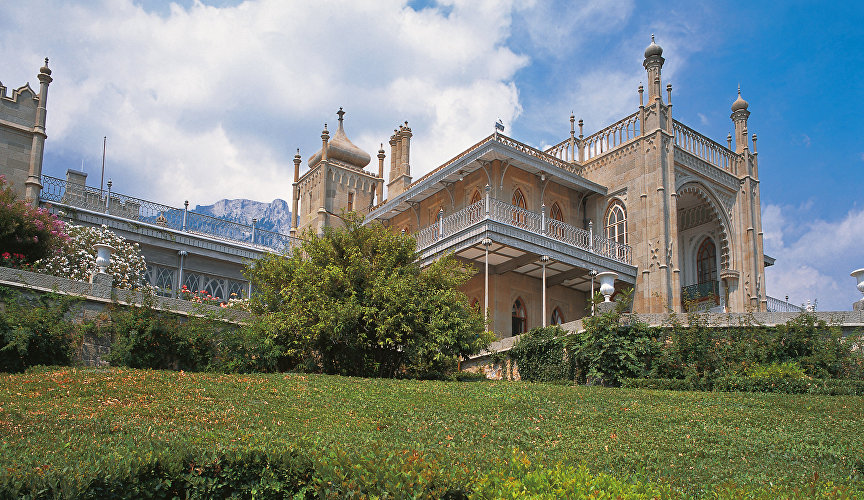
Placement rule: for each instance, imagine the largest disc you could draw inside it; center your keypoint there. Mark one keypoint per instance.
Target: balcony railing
(777, 305)
(532, 222)
(708, 291)
(180, 219)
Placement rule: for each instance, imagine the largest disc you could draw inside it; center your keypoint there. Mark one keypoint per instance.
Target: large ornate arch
(717, 213)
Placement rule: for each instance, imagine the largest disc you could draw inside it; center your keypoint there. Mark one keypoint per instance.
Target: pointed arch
(706, 261)
(707, 197)
(557, 317)
(615, 222)
(476, 197)
(519, 199)
(520, 317)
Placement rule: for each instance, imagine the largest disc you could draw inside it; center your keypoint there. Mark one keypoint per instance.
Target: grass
(79, 420)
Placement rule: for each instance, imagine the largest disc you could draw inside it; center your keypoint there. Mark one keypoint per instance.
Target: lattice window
(616, 222)
(557, 316)
(162, 278)
(476, 197)
(706, 262)
(520, 317)
(519, 218)
(192, 281)
(216, 287)
(236, 289)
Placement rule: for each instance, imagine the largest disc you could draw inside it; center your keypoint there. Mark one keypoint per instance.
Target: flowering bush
(77, 259)
(28, 232)
(204, 297)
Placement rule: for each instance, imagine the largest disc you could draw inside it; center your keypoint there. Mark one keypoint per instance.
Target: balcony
(75, 195)
(479, 214)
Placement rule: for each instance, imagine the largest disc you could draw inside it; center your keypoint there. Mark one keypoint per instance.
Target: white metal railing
(778, 305)
(697, 144)
(59, 191)
(509, 214)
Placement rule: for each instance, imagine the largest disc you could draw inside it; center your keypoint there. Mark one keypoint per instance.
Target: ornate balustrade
(511, 215)
(611, 137)
(777, 305)
(524, 148)
(59, 191)
(697, 144)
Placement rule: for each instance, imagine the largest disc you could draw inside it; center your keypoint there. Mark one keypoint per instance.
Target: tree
(77, 258)
(27, 233)
(354, 301)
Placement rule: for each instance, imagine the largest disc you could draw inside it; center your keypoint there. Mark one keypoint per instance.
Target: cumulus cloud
(202, 102)
(814, 257)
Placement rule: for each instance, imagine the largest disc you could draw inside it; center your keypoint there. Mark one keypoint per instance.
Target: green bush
(520, 479)
(27, 233)
(37, 330)
(144, 337)
(609, 351)
(541, 356)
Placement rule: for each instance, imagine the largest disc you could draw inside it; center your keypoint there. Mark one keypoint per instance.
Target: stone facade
(22, 135)
(673, 213)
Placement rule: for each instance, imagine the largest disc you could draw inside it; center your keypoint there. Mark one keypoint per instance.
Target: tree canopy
(355, 301)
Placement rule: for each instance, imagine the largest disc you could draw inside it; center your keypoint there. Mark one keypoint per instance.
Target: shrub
(27, 234)
(541, 356)
(36, 330)
(144, 337)
(77, 258)
(609, 351)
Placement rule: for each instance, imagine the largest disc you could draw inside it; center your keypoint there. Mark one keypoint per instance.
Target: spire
(341, 115)
(653, 63)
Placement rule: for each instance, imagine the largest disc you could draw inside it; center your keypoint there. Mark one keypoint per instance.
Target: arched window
(475, 304)
(520, 318)
(706, 262)
(557, 317)
(519, 199)
(476, 197)
(520, 218)
(616, 222)
(350, 202)
(555, 214)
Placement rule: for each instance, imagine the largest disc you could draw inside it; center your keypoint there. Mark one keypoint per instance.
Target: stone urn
(607, 284)
(103, 256)
(858, 274)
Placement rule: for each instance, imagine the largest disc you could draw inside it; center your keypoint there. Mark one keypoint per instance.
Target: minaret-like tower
(653, 63)
(335, 182)
(739, 119)
(33, 185)
(749, 212)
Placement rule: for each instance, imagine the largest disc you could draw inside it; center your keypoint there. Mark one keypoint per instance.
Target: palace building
(673, 213)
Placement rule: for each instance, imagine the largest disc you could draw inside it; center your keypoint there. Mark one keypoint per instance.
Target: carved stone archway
(701, 193)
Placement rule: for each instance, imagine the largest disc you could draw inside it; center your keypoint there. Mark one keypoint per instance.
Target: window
(520, 218)
(519, 317)
(706, 262)
(616, 222)
(476, 197)
(555, 214)
(350, 201)
(557, 317)
(475, 304)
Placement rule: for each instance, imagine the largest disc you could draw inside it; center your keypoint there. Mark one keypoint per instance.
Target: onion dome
(339, 147)
(739, 103)
(653, 49)
(44, 69)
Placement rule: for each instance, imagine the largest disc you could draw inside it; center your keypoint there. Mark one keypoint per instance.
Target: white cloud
(202, 103)
(814, 258)
(702, 118)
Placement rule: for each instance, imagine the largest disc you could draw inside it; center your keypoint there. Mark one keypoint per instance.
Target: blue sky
(204, 101)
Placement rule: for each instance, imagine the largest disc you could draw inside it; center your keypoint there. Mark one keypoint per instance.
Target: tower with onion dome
(336, 182)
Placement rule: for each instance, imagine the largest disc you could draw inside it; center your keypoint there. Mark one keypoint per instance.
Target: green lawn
(79, 418)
